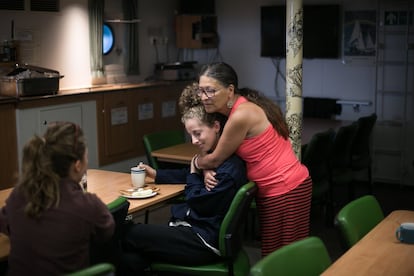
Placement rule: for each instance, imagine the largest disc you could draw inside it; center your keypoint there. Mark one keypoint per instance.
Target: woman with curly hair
(191, 235)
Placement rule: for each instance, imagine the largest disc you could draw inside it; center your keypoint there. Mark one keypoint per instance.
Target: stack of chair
(315, 156)
(341, 173)
(361, 158)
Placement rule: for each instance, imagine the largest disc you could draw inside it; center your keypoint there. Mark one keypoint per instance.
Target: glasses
(209, 92)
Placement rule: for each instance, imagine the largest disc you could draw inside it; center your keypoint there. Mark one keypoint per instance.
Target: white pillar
(294, 64)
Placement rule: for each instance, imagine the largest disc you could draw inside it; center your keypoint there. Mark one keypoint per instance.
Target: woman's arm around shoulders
(235, 130)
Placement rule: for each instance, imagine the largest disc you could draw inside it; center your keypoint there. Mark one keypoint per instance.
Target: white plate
(139, 196)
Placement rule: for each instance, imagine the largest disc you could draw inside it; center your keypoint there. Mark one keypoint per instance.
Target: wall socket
(158, 40)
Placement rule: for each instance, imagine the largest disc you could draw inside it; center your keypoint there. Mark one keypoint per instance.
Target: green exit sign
(398, 18)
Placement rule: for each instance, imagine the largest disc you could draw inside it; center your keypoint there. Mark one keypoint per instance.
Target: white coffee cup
(137, 177)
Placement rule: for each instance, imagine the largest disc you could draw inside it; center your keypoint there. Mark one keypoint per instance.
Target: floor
(390, 196)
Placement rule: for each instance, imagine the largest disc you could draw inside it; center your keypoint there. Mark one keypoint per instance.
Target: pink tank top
(271, 161)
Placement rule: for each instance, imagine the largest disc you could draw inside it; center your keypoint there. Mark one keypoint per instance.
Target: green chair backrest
(305, 257)
(230, 237)
(161, 139)
(109, 251)
(101, 269)
(357, 218)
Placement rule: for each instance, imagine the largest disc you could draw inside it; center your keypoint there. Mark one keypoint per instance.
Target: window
(108, 39)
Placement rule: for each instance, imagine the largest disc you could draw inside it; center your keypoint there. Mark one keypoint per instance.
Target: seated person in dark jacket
(191, 237)
(49, 218)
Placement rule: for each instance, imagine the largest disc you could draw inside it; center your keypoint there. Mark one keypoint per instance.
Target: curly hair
(189, 98)
(191, 107)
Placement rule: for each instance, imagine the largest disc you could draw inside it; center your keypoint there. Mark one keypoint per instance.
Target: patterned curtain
(130, 10)
(96, 10)
(294, 64)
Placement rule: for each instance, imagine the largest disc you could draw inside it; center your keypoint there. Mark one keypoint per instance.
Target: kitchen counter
(115, 86)
(5, 99)
(90, 89)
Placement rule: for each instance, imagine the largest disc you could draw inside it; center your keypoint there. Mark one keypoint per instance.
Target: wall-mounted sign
(168, 109)
(119, 116)
(398, 18)
(145, 111)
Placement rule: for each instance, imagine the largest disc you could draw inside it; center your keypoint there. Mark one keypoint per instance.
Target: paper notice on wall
(168, 109)
(30, 48)
(119, 116)
(145, 111)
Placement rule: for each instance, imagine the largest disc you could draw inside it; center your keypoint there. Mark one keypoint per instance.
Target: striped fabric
(285, 218)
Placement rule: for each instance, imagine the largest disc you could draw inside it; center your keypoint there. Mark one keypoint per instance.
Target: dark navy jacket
(203, 209)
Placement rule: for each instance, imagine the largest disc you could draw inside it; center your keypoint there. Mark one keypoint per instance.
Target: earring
(230, 104)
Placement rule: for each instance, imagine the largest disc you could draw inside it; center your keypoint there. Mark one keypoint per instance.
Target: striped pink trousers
(285, 218)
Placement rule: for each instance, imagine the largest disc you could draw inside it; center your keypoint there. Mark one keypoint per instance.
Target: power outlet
(153, 40)
(164, 40)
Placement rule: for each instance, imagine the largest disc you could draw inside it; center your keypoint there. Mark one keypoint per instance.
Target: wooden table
(106, 185)
(379, 252)
(183, 153)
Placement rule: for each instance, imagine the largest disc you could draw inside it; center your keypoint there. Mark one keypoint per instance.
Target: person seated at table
(191, 237)
(49, 219)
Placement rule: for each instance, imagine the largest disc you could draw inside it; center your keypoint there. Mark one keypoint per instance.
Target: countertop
(90, 89)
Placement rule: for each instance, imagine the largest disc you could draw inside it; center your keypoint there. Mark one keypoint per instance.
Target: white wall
(60, 41)
(239, 29)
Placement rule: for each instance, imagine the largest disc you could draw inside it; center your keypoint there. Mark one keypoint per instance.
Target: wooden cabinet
(196, 31)
(33, 118)
(124, 116)
(8, 146)
(117, 139)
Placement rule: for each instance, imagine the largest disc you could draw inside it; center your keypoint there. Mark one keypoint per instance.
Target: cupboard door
(124, 116)
(119, 131)
(145, 101)
(8, 147)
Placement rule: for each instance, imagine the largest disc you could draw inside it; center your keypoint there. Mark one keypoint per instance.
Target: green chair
(305, 257)
(162, 139)
(109, 251)
(357, 218)
(102, 269)
(234, 259)
(315, 156)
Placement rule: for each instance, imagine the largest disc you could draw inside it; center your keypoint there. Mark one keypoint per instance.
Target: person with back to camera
(191, 237)
(256, 130)
(49, 218)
